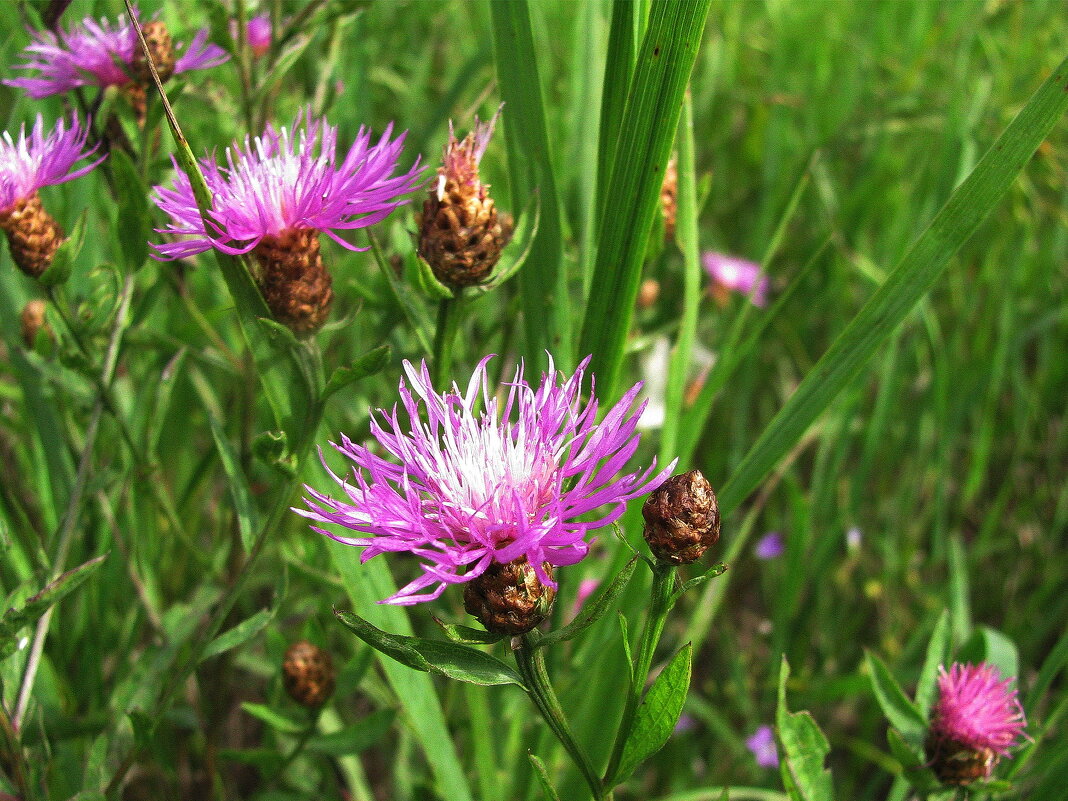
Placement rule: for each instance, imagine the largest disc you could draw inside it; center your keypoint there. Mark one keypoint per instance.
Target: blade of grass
(542, 281)
(903, 288)
(654, 105)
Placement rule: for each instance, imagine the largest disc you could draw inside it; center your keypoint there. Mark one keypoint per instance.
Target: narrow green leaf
(63, 262)
(239, 634)
(447, 658)
(658, 713)
(542, 282)
(354, 738)
(275, 719)
(937, 653)
(367, 365)
(903, 715)
(16, 619)
(913, 762)
(466, 635)
(543, 777)
(593, 611)
(650, 120)
(903, 288)
(618, 71)
(802, 750)
(990, 645)
(518, 249)
(134, 227)
(717, 569)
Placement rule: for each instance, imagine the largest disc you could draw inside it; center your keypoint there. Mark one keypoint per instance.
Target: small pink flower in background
(762, 746)
(284, 181)
(40, 160)
(729, 273)
(770, 546)
(97, 54)
(587, 587)
(474, 486)
(977, 709)
(258, 34)
(853, 539)
(684, 724)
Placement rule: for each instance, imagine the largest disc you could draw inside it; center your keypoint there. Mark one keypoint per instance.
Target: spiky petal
(469, 488)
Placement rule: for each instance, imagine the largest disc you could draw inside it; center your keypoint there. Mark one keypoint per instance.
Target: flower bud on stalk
(33, 320)
(508, 598)
(293, 280)
(33, 235)
(460, 234)
(308, 674)
(161, 48)
(681, 519)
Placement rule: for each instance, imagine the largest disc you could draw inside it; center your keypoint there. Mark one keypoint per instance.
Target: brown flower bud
(460, 234)
(308, 674)
(32, 235)
(648, 293)
(160, 46)
(681, 519)
(509, 598)
(669, 197)
(956, 763)
(33, 320)
(293, 280)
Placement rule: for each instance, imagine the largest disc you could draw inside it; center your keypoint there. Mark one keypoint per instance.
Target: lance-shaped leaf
(593, 611)
(447, 658)
(903, 715)
(367, 365)
(803, 749)
(28, 614)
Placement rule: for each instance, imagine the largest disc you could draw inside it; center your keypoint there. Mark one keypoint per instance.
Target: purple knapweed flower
(974, 723)
(738, 275)
(469, 488)
(283, 181)
(762, 745)
(98, 54)
(258, 34)
(770, 546)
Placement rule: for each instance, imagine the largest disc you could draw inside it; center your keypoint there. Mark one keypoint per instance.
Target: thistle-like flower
(974, 723)
(105, 54)
(461, 236)
(25, 166)
(731, 274)
(467, 489)
(273, 199)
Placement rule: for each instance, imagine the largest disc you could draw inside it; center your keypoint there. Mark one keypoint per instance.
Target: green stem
(531, 663)
(659, 606)
(444, 336)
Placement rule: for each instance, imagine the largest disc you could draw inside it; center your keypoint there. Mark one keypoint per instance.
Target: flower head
(258, 31)
(977, 711)
(770, 546)
(284, 181)
(729, 273)
(467, 488)
(762, 745)
(98, 54)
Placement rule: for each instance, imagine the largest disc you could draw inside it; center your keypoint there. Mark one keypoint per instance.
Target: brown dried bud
(669, 197)
(308, 674)
(681, 519)
(293, 280)
(958, 764)
(509, 598)
(460, 234)
(648, 293)
(33, 320)
(160, 46)
(32, 235)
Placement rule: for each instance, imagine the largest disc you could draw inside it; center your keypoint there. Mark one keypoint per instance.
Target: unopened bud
(461, 235)
(161, 48)
(32, 235)
(293, 280)
(510, 598)
(681, 519)
(669, 197)
(33, 320)
(308, 674)
(648, 293)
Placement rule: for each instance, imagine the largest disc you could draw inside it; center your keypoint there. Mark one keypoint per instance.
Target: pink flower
(258, 34)
(471, 487)
(977, 709)
(738, 275)
(770, 546)
(40, 160)
(97, 54)
(762, 745)
(280, 182)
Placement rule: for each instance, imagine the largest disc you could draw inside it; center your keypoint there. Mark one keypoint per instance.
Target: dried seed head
(32, 235)
(681, 518)
(160, 46)
(293, 280)
(509, 598)
(461, 235)
(33, 320)
(308, 674)
(669, 197)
